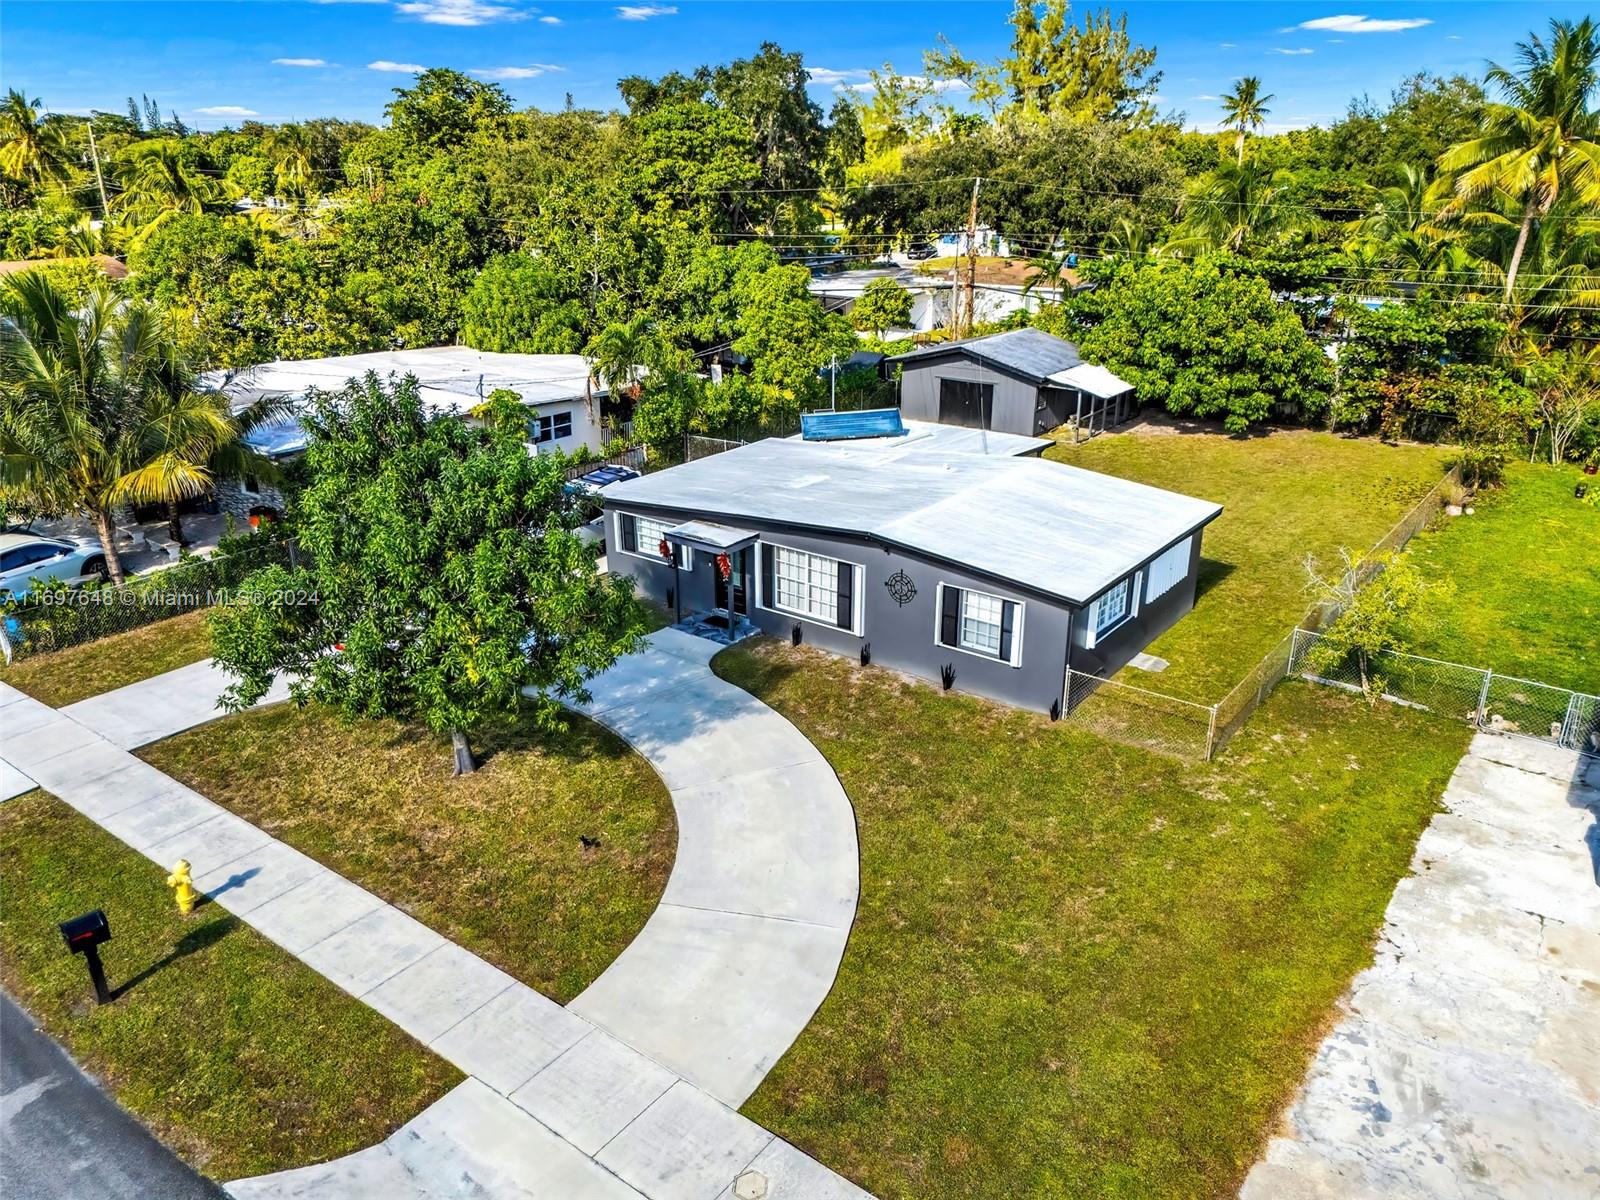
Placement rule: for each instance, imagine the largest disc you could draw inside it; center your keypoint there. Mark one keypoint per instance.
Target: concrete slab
(161, 706)
(135, 782)
(794, 1175)
(1467, 1062)
(438, 991)
(82, 767)
(638, 677)
(151, 822)
(22, 715)
(377, 947)
(511, 1038)
(371, 1174)
(778, 843)
(589, 1094)
(305, 915)
(46, 741)
(13, 782)
(685, 1146)
(252, 879)
(219, 842)
(717, 997)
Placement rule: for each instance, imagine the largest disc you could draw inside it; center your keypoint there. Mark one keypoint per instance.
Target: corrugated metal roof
(844, 426)
(1058, 530)
(1029, 352)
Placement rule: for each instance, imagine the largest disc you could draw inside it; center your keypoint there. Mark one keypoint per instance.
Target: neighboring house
(563, 399)
(1004, 569)
(1022, 381)
(111, 268)
(930, 296)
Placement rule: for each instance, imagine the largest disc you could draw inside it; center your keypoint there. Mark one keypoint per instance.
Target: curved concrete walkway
(750, 930)
(630, 1091)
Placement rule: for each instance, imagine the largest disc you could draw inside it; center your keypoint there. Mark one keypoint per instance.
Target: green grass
(492, 860)
(1078, 969)
(1283, 494)
(66, 676)
(239, 1057)
(1524, 576)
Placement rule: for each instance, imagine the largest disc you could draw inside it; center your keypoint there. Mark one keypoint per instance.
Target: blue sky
(216, 62)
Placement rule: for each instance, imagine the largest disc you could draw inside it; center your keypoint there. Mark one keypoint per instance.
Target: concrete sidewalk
(1467, 1062)
(561, 1102)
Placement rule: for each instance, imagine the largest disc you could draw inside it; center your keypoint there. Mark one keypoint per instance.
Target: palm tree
(159, 182)
(288, 149)
(1128, 239)
(1048, 268)
(1541, 144)
(619, 351)
(1244, 109)
(93, 412)
(30, 148)
(1233, 207)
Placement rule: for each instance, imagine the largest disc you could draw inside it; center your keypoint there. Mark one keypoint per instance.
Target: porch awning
(708, 535)
(1097, 381)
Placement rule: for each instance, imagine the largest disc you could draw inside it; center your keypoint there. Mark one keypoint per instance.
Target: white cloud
(823, 76)
(460, 12)
(1452, 37)
(383, 64)
(643, 12)
(1205, 97)
(1227, 45)
(935, 85)
(547, 20)
(1348, 23)
(1281, 50)
(301, 62)
(227, 110)
(531, 71)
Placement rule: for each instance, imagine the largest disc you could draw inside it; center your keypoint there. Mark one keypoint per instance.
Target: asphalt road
(62, 1138)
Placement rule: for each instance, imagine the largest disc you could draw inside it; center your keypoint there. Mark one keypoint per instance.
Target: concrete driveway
(1467, 1062)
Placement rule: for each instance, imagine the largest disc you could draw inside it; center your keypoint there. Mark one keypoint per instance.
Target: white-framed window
(979, 623)
(1167, 570)
(551, 428)
(642, 537)
(1109, 611)
(813, 586)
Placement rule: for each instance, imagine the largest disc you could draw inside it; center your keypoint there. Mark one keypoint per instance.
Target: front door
(730, 593)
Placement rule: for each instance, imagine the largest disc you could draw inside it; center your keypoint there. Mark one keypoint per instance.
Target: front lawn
(78, 672)
(1079, 969)
(240, 1058)
(494, 861)
(1524, 571)
(1283, 494)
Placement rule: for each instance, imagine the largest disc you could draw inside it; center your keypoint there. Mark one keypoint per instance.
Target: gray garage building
(1001, 569)
(1022, 381)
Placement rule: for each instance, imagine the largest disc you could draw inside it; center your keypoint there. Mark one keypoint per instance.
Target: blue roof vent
(846, 426)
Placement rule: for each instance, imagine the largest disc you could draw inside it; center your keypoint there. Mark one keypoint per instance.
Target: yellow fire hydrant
(182, 885)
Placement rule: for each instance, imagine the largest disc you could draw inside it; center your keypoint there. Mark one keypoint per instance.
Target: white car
(28, 560)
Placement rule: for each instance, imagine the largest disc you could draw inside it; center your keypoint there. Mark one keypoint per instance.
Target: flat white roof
(451, 378)
(1045, 526)
(922, 436)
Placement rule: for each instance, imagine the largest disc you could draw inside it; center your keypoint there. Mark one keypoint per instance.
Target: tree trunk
(175, 524)
(1238, 148)
(465, 764)
(1516, 253)
(108, 543)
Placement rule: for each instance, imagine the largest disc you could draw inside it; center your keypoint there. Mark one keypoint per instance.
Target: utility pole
(972, 255)
(94, 153)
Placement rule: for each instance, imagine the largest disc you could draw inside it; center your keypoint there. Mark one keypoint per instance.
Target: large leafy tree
(884, 304)
(788, 336)
(445, 582)
(1202, 342)
(520, 304)
(768, 92)
(444, 108)
(1244, 109)
(1542, 143)
(1091, 70)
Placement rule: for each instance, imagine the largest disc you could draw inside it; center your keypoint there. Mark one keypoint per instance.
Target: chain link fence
(49, 619)
(1137, 716)
(696, 446)
(1498, 703)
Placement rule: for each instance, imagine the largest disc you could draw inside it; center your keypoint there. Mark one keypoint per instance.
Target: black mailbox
(84, 935)
(88, 930)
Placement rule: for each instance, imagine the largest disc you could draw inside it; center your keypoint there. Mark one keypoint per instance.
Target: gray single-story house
(1001, 569)
(1022, 381)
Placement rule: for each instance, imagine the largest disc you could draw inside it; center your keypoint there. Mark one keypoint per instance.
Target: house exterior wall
(905, 638)
(586, 429)
(1017, 403)
(232, 498)
(1112, 652)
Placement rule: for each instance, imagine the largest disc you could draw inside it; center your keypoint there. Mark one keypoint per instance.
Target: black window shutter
(769, 575)
(1008, 617)
(847, 605)
(950, 618)
(630, 533)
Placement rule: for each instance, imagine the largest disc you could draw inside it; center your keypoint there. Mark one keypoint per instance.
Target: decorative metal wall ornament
(665, 549)
(901, 588)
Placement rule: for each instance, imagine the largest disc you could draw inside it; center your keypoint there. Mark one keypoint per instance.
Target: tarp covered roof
(1045, 526)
